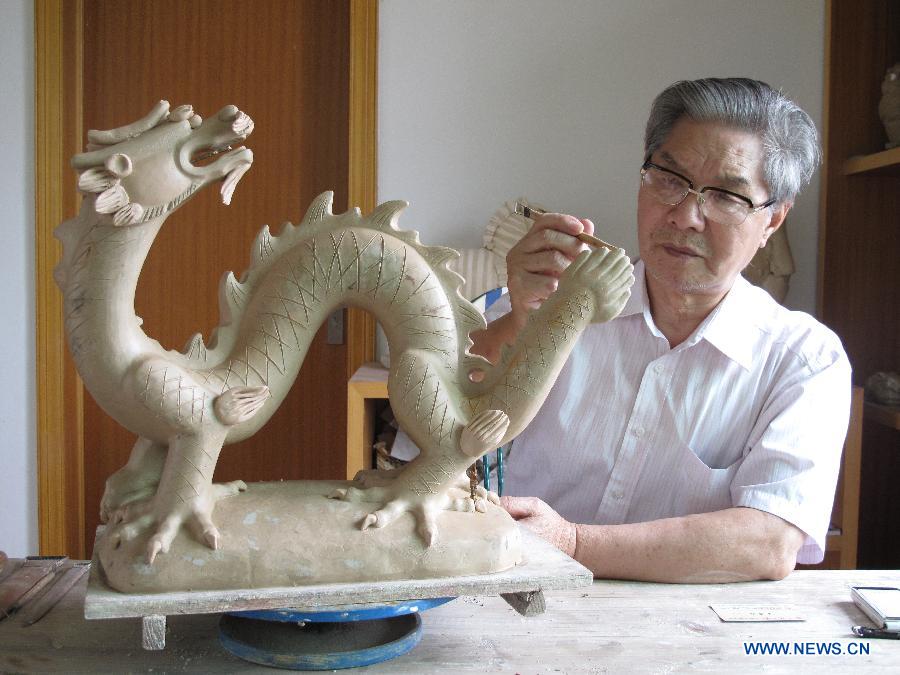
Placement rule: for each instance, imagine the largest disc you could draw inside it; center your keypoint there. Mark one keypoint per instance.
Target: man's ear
(779, 212)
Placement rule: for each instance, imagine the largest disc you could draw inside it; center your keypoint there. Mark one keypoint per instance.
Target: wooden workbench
(611, 626)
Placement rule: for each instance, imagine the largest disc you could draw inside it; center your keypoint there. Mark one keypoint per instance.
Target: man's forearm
(736, 544)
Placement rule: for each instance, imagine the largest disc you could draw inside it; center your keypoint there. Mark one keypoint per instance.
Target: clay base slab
(290, 534)
(543, 568)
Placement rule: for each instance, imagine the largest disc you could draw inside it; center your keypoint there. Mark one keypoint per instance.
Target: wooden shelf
(889, 417)
(366, 388)
(874, 162)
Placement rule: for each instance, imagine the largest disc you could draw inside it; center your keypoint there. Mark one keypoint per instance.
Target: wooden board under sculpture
(169, 527)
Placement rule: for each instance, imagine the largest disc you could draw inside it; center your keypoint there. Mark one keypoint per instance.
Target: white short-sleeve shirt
(751, 410)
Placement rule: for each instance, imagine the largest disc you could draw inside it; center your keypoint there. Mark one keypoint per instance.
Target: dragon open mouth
(206, 156)
(218, 155)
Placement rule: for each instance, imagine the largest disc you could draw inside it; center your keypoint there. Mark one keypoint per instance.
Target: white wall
(18, 490)
(483, 101)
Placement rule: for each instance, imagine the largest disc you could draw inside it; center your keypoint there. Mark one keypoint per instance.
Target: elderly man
(696, 437)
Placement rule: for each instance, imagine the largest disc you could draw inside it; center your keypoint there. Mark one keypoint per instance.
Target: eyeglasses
(718, 204)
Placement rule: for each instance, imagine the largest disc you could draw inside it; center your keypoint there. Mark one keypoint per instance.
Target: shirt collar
(729, 327)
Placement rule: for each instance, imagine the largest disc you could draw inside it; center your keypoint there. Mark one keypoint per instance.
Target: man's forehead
(727, 176)
(731, 157)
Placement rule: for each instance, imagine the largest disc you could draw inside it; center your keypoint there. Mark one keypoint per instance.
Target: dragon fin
(386, 215)
(232, 296)
(319, 209)
(262, 246)
(195, 349)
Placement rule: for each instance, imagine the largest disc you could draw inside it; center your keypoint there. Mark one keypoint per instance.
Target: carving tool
(472, 473)
(26, 582)
(866, 632)
(62, 583)
(533, 213)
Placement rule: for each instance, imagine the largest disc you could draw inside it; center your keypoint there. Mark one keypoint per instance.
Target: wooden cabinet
(859, 245)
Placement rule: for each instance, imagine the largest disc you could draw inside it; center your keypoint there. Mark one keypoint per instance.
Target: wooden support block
(527, 603)
(153, 635)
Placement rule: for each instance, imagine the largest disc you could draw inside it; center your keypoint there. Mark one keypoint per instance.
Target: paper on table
(403, 447)
(758, 612)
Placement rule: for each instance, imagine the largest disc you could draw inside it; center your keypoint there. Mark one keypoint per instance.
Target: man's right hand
(534, 266)
(536, 262)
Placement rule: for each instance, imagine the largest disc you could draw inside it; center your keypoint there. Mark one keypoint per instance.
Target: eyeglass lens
(714, 204)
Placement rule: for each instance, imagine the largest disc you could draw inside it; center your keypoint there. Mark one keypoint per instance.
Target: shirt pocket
(698, 488)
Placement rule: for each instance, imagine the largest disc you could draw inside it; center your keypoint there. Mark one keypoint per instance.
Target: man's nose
(689, 213)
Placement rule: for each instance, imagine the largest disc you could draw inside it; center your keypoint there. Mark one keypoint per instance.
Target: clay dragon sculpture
(185, 406)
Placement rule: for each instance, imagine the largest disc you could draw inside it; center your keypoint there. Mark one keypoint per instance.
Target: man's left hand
(538, 517)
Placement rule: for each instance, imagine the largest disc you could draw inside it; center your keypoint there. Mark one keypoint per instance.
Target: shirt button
(638, 432)
(618, 495)
(658, 369)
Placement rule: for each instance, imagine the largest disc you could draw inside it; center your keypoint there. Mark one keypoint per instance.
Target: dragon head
(149, 168)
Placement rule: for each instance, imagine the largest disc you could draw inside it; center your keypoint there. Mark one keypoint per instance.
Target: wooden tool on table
(534, 213)
(26, 582)
(62, 584)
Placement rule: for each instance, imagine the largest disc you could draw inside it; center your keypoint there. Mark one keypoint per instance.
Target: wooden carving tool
(26, 582)
(62, 584)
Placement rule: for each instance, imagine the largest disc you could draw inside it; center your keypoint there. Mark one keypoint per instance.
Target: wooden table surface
(612, 626)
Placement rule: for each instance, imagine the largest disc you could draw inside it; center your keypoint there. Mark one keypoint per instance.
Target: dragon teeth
(231, 181)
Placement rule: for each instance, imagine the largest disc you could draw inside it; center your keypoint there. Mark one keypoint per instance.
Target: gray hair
(789, 137)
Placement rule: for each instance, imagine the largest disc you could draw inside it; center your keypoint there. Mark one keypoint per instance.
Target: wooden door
(287, 64)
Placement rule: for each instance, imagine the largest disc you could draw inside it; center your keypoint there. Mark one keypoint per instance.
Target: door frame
(59, 55)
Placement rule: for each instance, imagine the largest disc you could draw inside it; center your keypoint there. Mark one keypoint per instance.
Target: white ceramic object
(185, 406)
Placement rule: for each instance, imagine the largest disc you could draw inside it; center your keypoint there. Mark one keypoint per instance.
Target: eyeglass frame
(753, 208)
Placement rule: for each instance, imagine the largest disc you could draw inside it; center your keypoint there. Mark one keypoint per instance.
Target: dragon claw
(424, 509)
(153, 549)
(375, 477)
(211, 537)
(161, 519)
(357, 495)
(427, 527)
(229, 489)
